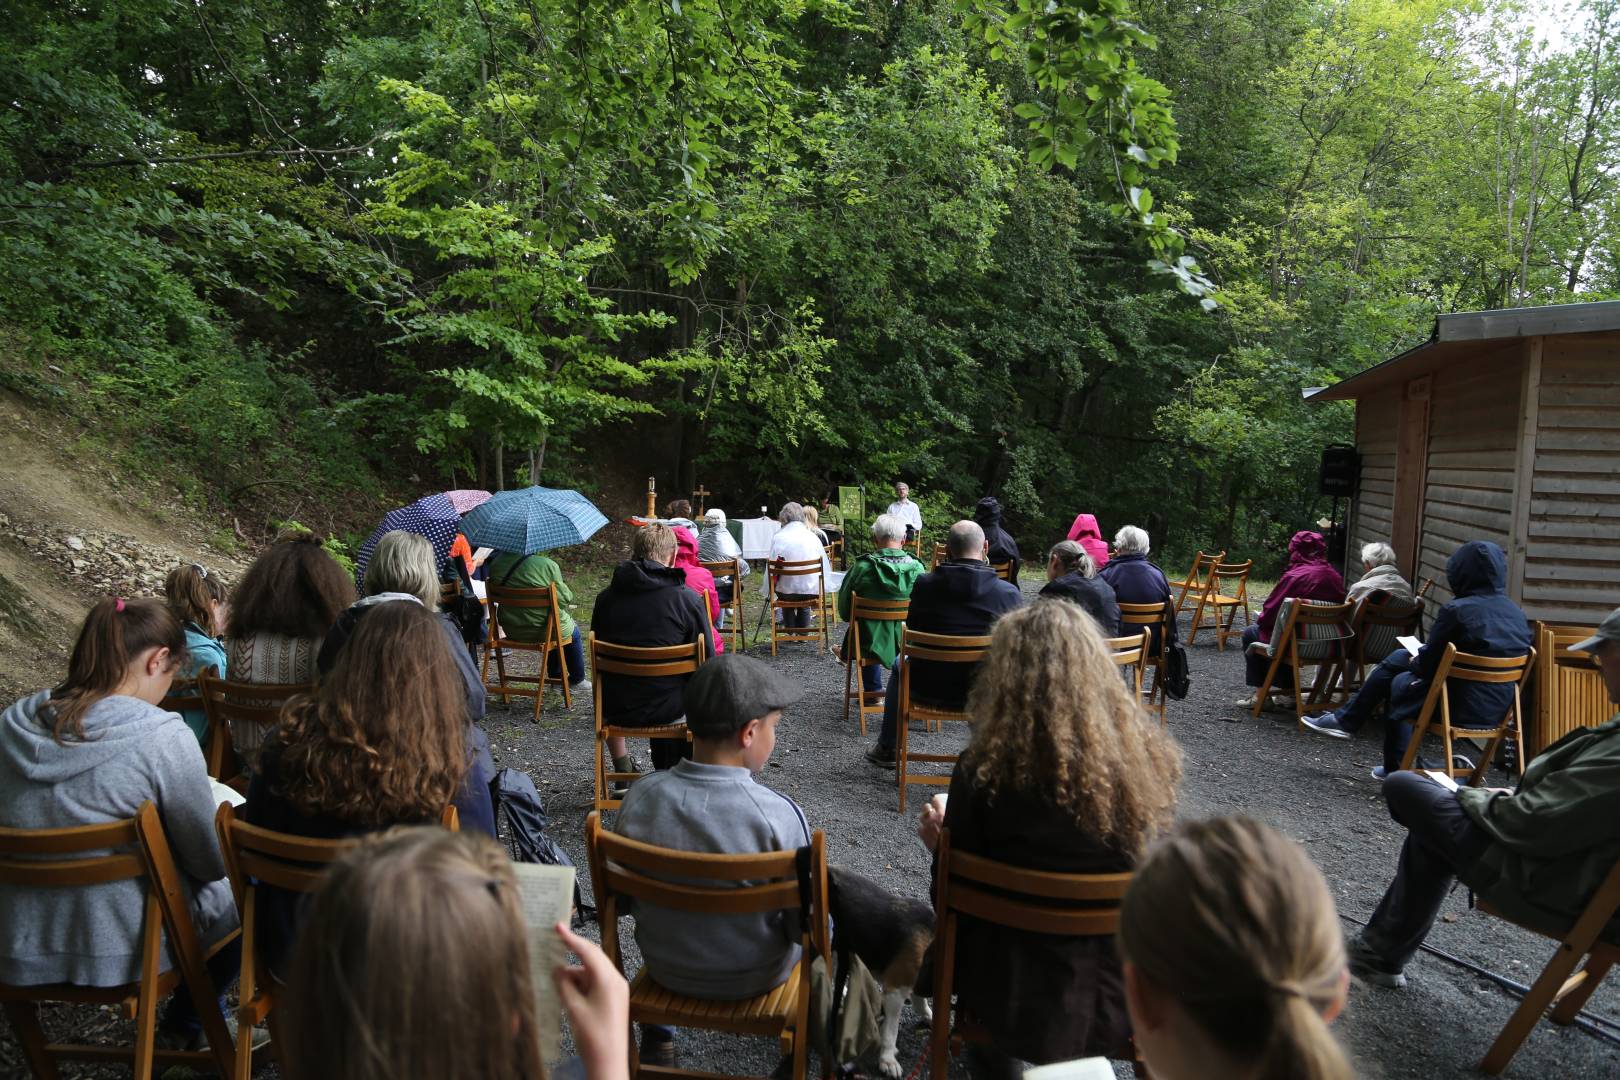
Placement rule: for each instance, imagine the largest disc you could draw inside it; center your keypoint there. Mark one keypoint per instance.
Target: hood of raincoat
(686, 548)
(1478, 568)
(988, 512)
(1307, 547)
(1085, 527)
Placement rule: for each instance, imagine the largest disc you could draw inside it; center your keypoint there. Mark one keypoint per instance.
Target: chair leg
(24, 1017)
(1524, 1018)
(900, 758)
(500, 673)
(1198, 618)
(1264, 689)
(1566, 1011)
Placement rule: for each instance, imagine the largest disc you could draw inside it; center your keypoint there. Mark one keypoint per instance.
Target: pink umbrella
(464, 499)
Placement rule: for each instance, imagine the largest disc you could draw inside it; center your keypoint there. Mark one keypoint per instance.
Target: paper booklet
(481, 554)
(1443, 779)
(546, 894)
(1091, 1068)
(224, 793)
(1409, 643)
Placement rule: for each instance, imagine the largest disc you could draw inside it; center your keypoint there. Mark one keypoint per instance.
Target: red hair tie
(118, 603)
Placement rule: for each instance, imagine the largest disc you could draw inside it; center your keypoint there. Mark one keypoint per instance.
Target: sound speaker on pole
(1341, 468)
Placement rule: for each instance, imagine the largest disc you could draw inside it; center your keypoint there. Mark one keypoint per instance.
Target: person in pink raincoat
(1088, 534)
(698, 579)
(1309, 577)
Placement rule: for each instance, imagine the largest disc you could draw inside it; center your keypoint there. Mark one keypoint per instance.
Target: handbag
(1173, 673)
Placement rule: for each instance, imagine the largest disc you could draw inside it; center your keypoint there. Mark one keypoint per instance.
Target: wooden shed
(1504, 426)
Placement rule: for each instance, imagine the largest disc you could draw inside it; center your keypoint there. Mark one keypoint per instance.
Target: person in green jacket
(884, 574)
(536, 571)
(1536, 854)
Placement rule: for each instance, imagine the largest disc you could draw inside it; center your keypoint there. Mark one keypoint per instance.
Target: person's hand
(930, 821)
(597, 1001)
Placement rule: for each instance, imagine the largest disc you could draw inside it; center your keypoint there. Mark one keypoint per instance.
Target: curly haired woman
(382, 742)
(1066, 774)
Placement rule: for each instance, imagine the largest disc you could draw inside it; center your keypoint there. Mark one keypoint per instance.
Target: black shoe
(881, 756)
(656, 1051)
(1368, 966)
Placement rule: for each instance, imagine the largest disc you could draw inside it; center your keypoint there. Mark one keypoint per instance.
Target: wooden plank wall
(1572, 561)
(1473, 452)
(1377, 424)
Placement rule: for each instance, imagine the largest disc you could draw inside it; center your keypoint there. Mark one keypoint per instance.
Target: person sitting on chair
(962, 597)
(885, 574)
(1137, 580)
(1309, 577)
(1071, 575)
(647, 604)
(796, 543)
(508, 570)
(1380, 575)
(678, 512)
(716, 544)
(698, 579)
(909, 513)
(832, 519)
(1535, 854)
(1003, 548)
(1481, 620)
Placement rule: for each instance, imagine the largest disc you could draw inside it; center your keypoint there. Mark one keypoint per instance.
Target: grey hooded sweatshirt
(133, 752)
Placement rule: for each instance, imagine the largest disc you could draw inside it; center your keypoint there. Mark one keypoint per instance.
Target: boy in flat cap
(711, 804)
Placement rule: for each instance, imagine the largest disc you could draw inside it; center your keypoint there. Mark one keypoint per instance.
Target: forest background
(314, 259)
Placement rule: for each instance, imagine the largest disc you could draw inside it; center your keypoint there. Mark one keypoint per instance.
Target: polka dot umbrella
(464, 499)
(431, 516)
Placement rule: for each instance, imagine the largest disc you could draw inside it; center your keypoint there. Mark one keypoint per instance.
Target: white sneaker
(582, 687)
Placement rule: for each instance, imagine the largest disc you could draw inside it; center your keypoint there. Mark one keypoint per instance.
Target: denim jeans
(872, 678)
(1390, 682)
(180, 1014)
(891, 709)
(1441, 842)
(574, 652)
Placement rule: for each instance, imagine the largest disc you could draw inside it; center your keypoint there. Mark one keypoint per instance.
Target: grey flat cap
(1609, 630)
(731, 690)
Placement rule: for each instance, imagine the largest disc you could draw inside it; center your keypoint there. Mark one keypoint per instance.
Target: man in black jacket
(648, 604)
(963, 597)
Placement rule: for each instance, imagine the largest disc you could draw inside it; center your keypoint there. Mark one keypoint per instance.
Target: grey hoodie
(133, 752)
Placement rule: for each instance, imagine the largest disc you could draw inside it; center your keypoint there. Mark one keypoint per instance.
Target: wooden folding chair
(632, 662)
(1308, 632)
(916, 545)
(1003, 569)
(946, 649)
(1560, 987)
(1569, 687)
(732, 568)
(1466, 667)
(714, 885)
(509, 686)
(1147, 616)
(184, 696)
(139, 851)
(940, 555)
(815, 603)
(855, 656)
(1376, 624)
(227, 704)
(1130, 651)
(1197, 579)
(998, 893)
(1216, 597)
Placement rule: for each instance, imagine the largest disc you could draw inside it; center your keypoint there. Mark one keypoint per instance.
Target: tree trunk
(500, 462)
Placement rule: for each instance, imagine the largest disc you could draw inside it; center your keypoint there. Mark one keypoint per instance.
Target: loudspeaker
(1341, 468)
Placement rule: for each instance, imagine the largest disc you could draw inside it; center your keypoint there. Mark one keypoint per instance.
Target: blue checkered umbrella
(532, 519)
(431, 516)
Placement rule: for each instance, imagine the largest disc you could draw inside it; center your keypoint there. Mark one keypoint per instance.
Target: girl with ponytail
(196, 598)
(1234, 960)
(91, 751)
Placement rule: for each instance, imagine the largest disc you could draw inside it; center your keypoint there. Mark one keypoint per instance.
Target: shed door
(1411, 467)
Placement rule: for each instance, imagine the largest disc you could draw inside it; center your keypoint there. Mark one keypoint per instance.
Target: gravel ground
(1314, 789)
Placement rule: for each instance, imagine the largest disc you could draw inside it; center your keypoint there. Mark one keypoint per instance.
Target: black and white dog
(893, 936)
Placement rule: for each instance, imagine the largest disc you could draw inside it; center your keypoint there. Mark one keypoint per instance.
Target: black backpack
(1177, 680)
(517, 800)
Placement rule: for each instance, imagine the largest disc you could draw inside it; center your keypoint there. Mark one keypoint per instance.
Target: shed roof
(1473, 334)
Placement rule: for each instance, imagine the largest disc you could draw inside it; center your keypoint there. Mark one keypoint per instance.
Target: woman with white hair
(716, 544)
(1135, 579)
(796, 543)
(1380, 575)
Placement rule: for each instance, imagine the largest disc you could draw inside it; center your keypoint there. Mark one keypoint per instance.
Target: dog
(894, 938)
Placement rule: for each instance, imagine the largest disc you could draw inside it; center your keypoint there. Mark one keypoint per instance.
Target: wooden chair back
(941, 553)
(1560, 987)
(505, 598)
(1130, 651)
(184, 695)
(1147, 617)
(1308, 633)
(609, 661)
(1003, 569)
(814, 602)
(1570, 692)
(622, 868)
(1227, 589)
(941, 648)
(1197, 578)
(732, 568)
(226, 703)
(1466, 667)
(1036, 901)
(135, 849)
(863, 611)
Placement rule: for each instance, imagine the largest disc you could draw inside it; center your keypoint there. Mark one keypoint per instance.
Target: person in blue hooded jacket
(1481, 620)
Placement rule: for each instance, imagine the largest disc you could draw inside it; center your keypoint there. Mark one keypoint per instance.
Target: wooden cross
(652, 497)
(700, 494)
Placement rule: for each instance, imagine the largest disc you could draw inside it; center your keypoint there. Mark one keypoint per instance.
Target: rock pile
(104, 563)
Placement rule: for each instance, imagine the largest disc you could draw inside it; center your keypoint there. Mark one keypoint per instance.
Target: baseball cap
(731, 690)
(1608, 630)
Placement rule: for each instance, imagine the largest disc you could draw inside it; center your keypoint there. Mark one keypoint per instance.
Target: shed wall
(1572, 557)
(1377, 423)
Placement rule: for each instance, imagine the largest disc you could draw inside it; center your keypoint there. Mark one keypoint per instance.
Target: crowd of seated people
(1229, 960)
